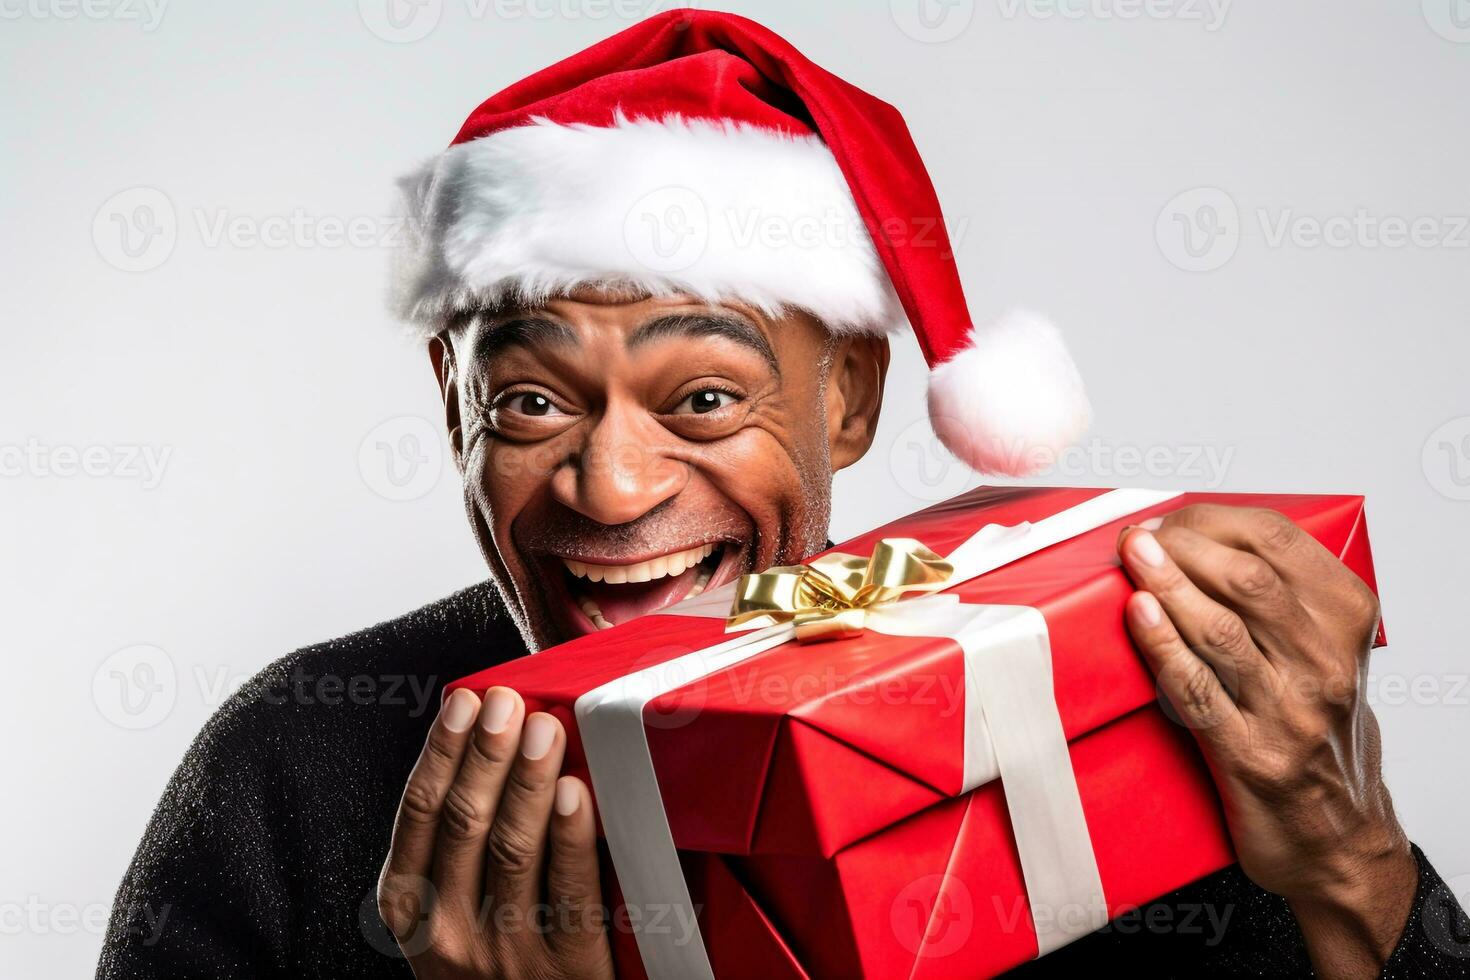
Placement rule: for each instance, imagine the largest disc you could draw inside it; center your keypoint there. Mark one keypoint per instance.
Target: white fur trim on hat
(1012, 400)
(722, 211)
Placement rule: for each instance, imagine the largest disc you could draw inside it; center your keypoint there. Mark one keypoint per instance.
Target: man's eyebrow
(526, 331)
(730, 327)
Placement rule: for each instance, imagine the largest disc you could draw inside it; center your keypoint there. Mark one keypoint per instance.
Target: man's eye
(532, 404)
(705, 401)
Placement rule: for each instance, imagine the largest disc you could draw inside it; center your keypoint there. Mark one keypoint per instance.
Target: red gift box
(841, 808)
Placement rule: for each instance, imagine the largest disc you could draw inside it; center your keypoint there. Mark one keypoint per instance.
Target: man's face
(622, 454)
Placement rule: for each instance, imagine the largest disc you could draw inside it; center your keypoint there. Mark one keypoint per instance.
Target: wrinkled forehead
(590, 317)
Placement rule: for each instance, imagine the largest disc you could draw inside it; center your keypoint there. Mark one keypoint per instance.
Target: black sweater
(262, 857)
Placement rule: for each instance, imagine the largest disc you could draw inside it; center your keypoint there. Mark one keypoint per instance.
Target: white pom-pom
(1012, 400)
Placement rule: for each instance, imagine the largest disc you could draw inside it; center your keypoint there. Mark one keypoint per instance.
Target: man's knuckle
(1173, 582)
(1269, 772)
(1224, 631)
(564, 880)
(420, 803)
(496, 751)
(390, 897)
(1190, 516)
(441, 752)
(462, 817)
(512, 851)
(1273, 530)
(1363, 606)
(525, 783)
(1251, 577)
(1199, 690)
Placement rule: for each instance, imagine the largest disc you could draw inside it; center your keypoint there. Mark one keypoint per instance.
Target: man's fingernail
(500, 704)
(539, 734)
(1152, 524)
(459, 710)
(568, 796)
(1148, 609)
(1146, 548)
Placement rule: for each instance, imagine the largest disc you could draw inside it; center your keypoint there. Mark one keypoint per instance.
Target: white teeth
(593, 613)
(643, 571)
(700, 581)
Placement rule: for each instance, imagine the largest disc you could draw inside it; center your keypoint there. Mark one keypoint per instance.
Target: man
(638, 419)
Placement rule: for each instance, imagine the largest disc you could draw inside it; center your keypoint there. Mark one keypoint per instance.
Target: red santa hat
(697, 152)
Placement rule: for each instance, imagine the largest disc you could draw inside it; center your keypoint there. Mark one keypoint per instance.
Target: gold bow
(830, 598)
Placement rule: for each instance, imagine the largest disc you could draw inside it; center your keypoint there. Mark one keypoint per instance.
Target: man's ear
(441, 355)
(858, 369)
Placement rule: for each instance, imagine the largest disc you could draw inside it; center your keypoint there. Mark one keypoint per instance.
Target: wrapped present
(974, 769)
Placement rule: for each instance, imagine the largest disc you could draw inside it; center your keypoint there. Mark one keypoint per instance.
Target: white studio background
(1250, 218)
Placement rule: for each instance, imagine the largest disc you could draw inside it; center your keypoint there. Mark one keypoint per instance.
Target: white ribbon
(1012, 731)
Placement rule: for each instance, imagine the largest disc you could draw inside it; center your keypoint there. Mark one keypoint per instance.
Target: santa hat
(699, 153)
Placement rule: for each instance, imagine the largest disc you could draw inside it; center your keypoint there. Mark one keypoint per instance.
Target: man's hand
(1259, 638)
(470, 888)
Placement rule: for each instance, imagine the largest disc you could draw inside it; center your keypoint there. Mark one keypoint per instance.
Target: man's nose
(620, 473)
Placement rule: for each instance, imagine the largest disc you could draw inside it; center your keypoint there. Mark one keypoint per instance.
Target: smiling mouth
(610, 594)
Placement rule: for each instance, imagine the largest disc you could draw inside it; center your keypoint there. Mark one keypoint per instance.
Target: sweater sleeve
(1436, 938)
(206, 895)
